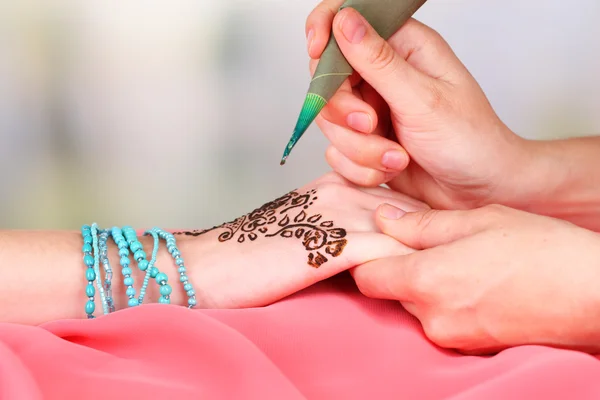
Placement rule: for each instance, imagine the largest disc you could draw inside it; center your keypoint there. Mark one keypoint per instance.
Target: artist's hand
(412, 94)
(490, 278)
(313, 233)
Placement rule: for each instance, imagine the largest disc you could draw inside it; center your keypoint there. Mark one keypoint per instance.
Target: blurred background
(176, 113)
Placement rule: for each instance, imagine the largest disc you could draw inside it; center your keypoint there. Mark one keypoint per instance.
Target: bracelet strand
(95, 253)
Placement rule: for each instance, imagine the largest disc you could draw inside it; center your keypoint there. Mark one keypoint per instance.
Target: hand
(286, 245)
(491, 278)
(412, 94)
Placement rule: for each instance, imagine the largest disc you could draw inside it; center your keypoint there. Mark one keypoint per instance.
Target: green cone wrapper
(386, 17)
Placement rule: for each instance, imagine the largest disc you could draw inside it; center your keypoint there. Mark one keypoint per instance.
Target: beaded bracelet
(103, 247)
(169, 238)
(95, 252)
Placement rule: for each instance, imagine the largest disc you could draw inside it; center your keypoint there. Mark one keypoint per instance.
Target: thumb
(430, 228)
(377, 62)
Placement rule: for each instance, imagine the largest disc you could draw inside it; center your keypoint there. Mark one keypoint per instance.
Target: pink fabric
(327, 342)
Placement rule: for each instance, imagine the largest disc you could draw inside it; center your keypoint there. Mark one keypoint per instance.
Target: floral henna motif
(317, 236)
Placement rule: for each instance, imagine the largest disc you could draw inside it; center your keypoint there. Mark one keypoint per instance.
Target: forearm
(43, 276)
(561, 178)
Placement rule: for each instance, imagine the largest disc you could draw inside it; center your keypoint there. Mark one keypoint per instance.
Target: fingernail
(394, 159)
(353, 28)
(309, 39)
(360, 121)
(388, 211)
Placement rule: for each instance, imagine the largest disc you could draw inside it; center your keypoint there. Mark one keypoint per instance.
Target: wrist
(551, 178)
(164, 262)
(532, 176)
(528, 176)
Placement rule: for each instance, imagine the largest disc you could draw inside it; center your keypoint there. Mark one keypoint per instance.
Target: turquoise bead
(163, 300)
(191, 292)
(125, 261)
(123, 252)
(86, 227)
(130, 291)
(133, 302)
(153, 272)
(143, 265)
(128, 281)
(135, 246)
(179, 261)
(90, 290)
(165, 290)
(139, 255)
(192, 302)
(183, 278)
(126, 271)
(122, 244)
(90, 275)
(162, 277)
(188, 286)
(171, 248)
(87, 248)
(181, 269)
(88, 260)
(90, 307)
(87, 239)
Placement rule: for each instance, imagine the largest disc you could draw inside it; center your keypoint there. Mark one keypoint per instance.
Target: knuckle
(439, 331)
(322, 14)
(424, 222)
(370, 178)
(381, 56)
(435, 38)
(364, 286)
(361, 155)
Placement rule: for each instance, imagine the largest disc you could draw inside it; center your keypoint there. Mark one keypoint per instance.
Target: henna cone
(386, 17)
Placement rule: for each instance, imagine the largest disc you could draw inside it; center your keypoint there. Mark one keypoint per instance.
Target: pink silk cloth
(326, 342)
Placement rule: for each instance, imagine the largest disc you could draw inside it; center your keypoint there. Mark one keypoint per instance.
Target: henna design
(317, 236)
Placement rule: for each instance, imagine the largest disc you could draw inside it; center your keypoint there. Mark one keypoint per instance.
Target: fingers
(318, 26)
(402, 86)
(363, 248)
(347, 108)
(366, 150)
(431, 228)
(409, 204)
(387, 278)
(357, 174)
(375, 101)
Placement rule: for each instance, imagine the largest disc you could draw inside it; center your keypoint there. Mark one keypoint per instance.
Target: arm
(280, 248)
(44, 276)
(558, 178)
(413, 93)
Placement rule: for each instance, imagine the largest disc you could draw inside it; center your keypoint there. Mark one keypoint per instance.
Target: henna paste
(286, 217)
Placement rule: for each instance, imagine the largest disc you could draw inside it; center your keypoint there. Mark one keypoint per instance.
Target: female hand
(303, 237)
(284, 246)
(412, 94)
(491, 278)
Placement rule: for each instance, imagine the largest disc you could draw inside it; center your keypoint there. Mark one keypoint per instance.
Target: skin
(485, 277)
(540, 286)
(412, 95)
(46, 280)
